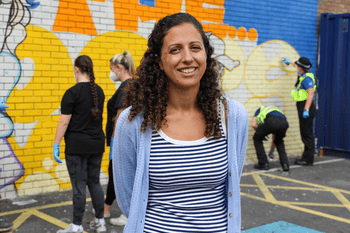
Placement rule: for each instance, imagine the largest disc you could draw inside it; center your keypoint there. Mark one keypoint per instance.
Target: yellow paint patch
(231, 79)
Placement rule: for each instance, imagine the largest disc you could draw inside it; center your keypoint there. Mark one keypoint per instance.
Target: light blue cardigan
(131, 152)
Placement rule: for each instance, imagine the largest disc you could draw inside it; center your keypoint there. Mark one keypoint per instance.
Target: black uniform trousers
(110, 194)
(272, 125)
(306, 131)
(84, 170)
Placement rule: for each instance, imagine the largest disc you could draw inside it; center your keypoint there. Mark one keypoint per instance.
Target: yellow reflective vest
(263, 113)
(301, 94)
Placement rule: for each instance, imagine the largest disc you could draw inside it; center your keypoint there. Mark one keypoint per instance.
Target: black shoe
(5, 226)
(262, 166)
(302, 162)
(285, 167)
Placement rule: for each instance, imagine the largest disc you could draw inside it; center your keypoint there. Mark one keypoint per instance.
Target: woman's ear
(159, 61)
(160, 64)
(119, 67)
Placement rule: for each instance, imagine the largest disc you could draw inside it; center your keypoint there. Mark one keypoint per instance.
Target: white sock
(102, 221)
(76, 227)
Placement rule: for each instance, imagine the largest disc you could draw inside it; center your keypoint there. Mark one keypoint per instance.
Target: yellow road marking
(342, 199)
(51, 219)
(268, 195)
(326, 188)
(20, 219)
(284, 187)
(312, 204)
(299, 208)
(40, 207)
(265, 189)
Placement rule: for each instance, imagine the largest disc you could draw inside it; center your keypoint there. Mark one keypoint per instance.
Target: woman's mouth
(187, 70)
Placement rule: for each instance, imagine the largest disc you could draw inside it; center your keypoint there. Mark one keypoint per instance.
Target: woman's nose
(187, 56)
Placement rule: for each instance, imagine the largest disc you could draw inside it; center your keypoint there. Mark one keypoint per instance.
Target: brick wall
(39, 45)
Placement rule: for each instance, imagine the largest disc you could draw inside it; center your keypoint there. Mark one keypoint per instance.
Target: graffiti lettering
(74, 16)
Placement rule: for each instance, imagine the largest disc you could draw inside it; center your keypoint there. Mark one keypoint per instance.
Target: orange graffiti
(127, 14)
(198, 10)
(219, 30)
(74, 16)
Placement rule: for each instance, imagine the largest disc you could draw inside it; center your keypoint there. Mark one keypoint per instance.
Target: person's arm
(254, 123)
(61, 128)
(124, 160)
(115, 119)
(309, 99)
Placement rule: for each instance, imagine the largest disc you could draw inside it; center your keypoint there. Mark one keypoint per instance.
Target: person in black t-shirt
(81, 125)
(122, 69)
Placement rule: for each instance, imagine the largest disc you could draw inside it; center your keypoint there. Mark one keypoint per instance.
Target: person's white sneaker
(69, 229)
(120, 221)
(97, 226)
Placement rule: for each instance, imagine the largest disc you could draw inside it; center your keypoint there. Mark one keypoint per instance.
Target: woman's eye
(196, 48)
(174, 50)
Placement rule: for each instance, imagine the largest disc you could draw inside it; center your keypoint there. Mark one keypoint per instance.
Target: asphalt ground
(313, 197)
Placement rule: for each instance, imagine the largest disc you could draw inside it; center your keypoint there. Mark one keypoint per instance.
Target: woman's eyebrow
(192, 42)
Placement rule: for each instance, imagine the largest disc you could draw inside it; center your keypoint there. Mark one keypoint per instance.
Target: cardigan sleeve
(242, 123)
(124, 160)
(240, 119)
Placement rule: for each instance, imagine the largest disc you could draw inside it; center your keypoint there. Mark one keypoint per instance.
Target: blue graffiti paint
(294, 22)
(9, 157)
(148, 2)
(15, 61)
(281, 227)
(17, 170)
(33, 4)
(10, 130)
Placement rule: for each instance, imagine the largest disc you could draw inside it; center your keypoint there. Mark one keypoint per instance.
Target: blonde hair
(124, 59)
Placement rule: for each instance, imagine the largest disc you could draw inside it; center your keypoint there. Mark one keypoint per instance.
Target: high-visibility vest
(301, 94)
(264, 111)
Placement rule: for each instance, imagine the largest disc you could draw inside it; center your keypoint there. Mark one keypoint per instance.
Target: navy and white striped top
(187, 185)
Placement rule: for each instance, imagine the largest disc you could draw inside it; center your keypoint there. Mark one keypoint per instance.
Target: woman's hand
(56, 153)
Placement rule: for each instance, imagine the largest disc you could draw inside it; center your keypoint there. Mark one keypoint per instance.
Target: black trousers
(272, 125)
(110, 195)
(306, 131)
(84, 169)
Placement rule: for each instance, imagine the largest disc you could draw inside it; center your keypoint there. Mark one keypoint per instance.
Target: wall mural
(16, 17)
(38, 68)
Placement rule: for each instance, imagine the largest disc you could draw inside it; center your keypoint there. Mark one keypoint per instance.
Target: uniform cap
(304, 63)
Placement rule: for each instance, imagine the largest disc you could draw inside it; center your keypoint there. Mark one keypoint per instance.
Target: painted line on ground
(302, 209)
(296, 166)
(268, 195)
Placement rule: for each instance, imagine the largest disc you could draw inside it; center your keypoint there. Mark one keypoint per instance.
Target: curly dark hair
(148, 92)
(84, 63)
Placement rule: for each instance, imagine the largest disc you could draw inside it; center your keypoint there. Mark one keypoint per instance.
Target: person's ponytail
(84, 63)
(95, 111)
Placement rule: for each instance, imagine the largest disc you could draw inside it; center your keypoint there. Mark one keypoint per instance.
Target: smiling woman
(183, 56)
(181, 144)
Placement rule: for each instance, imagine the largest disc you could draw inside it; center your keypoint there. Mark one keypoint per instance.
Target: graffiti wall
(41, 38)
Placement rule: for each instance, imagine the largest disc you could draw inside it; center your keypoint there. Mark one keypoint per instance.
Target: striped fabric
(187, 185)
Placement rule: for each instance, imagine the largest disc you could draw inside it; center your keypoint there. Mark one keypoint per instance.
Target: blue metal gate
(333, 97)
